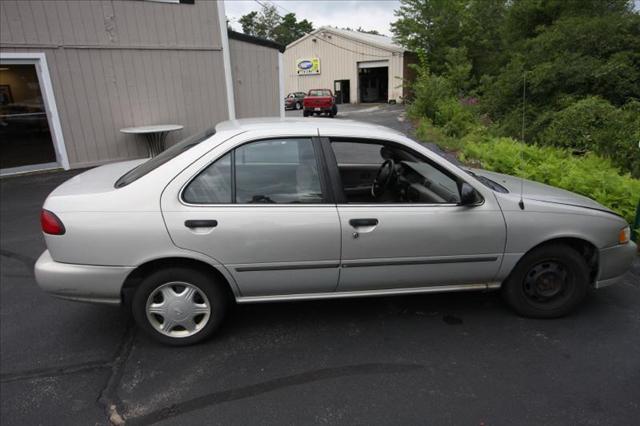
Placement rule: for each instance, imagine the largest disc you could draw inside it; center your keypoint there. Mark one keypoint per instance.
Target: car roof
(322, 125)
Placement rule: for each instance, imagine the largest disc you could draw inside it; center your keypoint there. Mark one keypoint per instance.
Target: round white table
(154, 135)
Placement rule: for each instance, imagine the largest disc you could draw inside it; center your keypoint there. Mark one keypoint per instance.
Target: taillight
(51, 224)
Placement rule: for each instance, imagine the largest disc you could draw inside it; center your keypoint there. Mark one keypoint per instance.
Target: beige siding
(125, 23)
(115, 64)
(339, 57)
(255, 79)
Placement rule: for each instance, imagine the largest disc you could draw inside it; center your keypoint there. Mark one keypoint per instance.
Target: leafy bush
(428, 90)
(589, 175)
(456, 118)
(593, 124)
(436, 100)
(426, 131)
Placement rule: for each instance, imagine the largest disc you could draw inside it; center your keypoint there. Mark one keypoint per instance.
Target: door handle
(357, 223)
(201, 223)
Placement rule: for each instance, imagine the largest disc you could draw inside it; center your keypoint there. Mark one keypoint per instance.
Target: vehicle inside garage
(373, 83)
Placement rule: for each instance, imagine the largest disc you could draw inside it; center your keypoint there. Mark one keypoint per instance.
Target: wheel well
(138, 274)
(586, 249)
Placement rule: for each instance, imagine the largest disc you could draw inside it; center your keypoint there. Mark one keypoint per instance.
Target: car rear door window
(274, 171)
(277, 171)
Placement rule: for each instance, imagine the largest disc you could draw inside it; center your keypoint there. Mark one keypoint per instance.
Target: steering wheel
(384, 177)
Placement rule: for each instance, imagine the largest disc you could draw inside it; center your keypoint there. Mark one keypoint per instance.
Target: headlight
(625, 235)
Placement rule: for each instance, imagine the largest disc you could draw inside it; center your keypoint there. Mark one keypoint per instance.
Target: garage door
(373, 64)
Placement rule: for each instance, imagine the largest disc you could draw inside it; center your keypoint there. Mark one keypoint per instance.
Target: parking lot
(430, 359)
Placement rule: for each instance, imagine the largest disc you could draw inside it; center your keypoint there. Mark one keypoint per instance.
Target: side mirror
(467, 194)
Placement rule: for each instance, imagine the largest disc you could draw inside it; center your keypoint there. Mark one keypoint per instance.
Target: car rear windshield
(319, 93)
(163, 157)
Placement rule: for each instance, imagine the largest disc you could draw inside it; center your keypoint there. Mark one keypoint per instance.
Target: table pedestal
(154, 135)
(155, 142)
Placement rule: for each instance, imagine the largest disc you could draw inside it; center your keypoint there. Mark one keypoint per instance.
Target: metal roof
(380, 41)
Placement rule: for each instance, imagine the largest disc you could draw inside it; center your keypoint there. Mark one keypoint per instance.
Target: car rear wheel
(548, 282)
(298, 105)
(179, 306)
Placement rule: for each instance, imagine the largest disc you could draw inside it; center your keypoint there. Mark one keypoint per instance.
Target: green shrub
(455, 118)
(428, 90)
(594, 124)
(427, 132)
(435, 99)
(589, 175)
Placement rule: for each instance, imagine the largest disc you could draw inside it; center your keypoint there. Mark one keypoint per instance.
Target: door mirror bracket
(468, 195)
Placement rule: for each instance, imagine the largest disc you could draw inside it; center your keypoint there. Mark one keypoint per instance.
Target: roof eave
(329, 29)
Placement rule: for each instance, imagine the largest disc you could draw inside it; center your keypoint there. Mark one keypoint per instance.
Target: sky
(368, 14)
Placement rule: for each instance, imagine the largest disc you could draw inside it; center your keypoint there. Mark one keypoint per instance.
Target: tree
(580, 58)
(430, 26)
(435, 26)
(362, 30)
(268, 24)
(290, 29)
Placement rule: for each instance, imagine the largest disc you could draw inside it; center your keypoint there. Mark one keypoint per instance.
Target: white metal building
(357, 67)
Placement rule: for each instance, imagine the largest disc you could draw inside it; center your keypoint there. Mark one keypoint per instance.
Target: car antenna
(524, 100)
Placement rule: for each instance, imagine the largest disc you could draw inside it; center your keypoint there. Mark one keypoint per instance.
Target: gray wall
(121, 63)
(255, 79)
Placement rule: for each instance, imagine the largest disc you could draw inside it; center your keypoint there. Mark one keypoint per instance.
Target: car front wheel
(548, 282)
(179, 306)
(298, 105)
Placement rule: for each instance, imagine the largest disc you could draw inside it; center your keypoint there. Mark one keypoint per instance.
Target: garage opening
(342, 91)
(373, 81)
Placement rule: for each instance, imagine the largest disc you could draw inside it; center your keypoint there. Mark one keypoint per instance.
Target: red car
(320, 101)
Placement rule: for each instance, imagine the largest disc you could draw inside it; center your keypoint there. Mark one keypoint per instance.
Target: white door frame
(42, 69)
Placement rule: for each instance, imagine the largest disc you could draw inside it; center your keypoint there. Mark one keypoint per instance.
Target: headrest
(386, 153)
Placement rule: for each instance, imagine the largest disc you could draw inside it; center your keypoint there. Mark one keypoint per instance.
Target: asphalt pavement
(431, 359)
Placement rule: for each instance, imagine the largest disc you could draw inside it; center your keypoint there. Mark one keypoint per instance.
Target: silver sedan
(275, 210)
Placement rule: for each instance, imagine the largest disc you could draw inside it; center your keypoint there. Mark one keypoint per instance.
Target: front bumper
(614, 263)
(85, 283)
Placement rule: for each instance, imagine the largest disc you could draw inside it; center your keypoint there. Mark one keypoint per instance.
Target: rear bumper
(614, 263)
(84, 283)
(321, 108)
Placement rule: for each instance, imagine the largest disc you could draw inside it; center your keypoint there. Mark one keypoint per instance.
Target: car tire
(191, 319)
(305, 113)
(298, 105)
(548, 282)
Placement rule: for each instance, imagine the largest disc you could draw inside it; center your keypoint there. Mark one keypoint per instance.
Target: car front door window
(377, 173)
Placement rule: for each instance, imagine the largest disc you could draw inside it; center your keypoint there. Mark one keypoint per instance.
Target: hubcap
(546, 281)
(178, 309)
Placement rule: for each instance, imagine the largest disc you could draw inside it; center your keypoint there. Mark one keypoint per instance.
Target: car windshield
(163, 157)
(319, 92)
